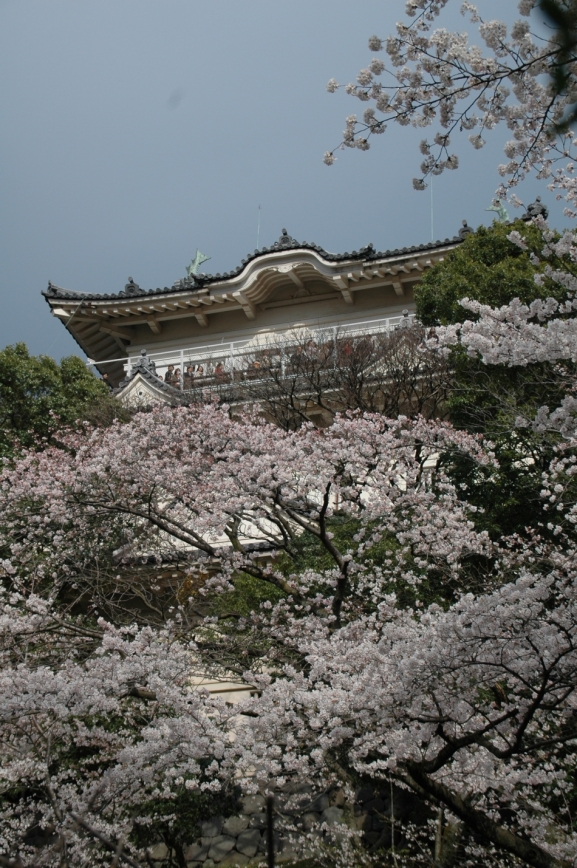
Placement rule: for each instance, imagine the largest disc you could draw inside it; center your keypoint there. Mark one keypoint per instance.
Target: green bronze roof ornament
(196, 263)
(501, 215)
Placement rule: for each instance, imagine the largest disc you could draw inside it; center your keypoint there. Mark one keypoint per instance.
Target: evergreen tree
(38, 396)
(489, 399)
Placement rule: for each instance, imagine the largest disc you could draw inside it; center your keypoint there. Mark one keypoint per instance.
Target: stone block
(277, 843)
(333, 816)
(233, 858)
(363, 822)
(310, 819)
(288, 855)
(221, 847)
(234, 826)
(253, 804)
(376, 806)
(297, 788)
(386, 838)
(248, 841)
(337, 797)
(319, 804)
(212, 827)
(258, 821)
(158, 852)
(408, 806)
(365, 794)
(198, 852)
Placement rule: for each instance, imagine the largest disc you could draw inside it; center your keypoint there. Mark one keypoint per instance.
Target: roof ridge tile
(285, 242)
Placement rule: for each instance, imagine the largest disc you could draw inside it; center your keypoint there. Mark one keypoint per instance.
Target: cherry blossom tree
(93, 723)
(519, 79)
(526, 334)
(101, 723)
(422, 652)
(473, 707)
(216, 491)
(393, 639)
(479, 750)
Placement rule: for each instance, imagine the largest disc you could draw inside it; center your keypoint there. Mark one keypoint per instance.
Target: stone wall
(241, 840)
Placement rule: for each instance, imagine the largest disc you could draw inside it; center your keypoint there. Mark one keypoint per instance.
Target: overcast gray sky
(134, 131)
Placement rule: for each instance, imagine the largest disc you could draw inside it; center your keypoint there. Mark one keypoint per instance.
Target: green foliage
(247, 596)
(486, 267)
(488, 399)
(309, 553)
(561, 15)
(177, 820)
(38, 396)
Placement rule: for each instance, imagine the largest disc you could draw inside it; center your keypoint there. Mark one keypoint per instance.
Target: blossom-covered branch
(435, 76)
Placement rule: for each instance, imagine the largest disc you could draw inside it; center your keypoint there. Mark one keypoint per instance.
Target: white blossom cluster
(434, 76)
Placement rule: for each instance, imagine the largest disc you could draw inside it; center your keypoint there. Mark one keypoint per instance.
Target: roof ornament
(536, 209)
(145, 362)
(465, 230)
(285, 240)
(195, 264)
(502, 215)
(131, 287)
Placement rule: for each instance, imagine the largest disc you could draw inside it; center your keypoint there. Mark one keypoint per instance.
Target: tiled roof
(153, 379)
(285, 242)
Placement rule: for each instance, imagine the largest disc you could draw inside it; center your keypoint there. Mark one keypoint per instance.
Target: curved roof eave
(261, 260)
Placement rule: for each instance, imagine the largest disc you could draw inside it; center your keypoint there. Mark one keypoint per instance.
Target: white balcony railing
(226, 359)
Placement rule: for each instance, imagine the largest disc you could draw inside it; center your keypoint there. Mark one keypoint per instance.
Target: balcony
(221, 366)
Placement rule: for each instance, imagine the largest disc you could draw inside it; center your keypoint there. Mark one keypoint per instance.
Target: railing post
(335, 348)
(269, 832)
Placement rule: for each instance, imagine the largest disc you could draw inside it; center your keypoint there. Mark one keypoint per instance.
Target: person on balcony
(188, 380)
(295, 358)
(177, 382)
(169, 376)
(253, 371)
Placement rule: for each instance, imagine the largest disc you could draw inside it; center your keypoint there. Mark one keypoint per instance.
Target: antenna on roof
(258, 230)
(432, 222)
